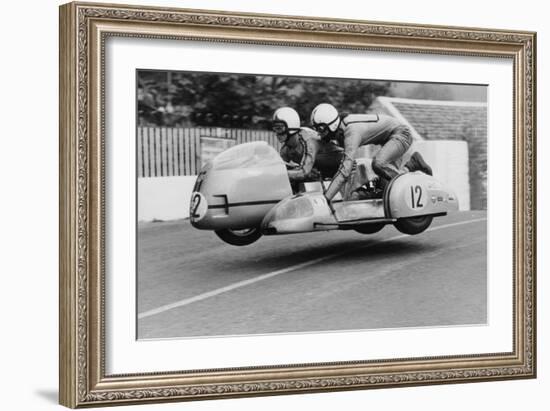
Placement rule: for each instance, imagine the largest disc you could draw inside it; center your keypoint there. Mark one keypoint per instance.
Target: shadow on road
(365, 251)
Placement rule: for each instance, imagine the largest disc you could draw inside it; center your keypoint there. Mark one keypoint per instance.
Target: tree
(243, 100)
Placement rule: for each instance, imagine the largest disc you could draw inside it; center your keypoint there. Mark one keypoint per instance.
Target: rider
(303, 149)
(362, 129)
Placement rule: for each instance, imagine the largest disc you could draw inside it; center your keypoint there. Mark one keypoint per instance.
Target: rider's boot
(417, 163)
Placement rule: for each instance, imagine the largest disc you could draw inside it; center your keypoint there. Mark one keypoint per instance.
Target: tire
(413, 225)
(239, 237)
(369, 228)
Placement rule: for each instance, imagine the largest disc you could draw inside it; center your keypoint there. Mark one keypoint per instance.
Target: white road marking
(295, 267)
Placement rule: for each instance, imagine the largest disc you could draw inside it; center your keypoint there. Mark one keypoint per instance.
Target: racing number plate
(198, 206)
(416, 197)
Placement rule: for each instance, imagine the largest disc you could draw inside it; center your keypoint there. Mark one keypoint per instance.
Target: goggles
(279, 127)
(320, 128)
(323, 128)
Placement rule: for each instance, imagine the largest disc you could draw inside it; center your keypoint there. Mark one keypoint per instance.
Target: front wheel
(413, 225)
(239, 237)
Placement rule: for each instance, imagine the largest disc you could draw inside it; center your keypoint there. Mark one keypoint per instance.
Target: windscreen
(248, 155)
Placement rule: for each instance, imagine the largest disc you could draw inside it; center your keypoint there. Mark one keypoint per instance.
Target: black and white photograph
(275, 204)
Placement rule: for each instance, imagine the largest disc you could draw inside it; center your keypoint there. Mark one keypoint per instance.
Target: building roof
(437, 120)
(448, 120)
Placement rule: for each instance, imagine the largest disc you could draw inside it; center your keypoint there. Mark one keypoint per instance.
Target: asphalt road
(190, 283)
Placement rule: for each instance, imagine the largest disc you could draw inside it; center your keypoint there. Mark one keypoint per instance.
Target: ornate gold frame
(83, 30)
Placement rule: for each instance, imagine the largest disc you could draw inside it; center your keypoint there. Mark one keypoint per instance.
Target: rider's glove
(314, 174)
(291, 165)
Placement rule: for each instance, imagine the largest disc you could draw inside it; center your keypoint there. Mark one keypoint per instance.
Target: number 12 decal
(416, 197)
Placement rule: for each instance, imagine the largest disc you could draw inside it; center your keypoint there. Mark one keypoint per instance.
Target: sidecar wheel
(239, 237)
(413, 225)
(369, 228)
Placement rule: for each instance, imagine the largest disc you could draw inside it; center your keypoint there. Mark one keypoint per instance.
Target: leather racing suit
(307, 150)
(362, 129)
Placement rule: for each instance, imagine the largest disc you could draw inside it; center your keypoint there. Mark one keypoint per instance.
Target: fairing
(408, 195)
(416, 194)
(239, 187)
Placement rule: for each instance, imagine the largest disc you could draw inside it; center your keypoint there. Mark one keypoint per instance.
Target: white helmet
(289, 117)
(325, 116)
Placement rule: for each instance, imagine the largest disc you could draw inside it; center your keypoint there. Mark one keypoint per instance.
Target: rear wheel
(242, 237)
(413, 225)
(369, 228)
